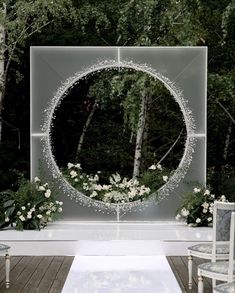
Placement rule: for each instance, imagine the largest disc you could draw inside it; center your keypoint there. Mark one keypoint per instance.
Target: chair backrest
(231, 248)
(221, 224)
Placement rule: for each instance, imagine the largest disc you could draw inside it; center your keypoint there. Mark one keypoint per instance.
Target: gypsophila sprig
(32, 206)
(197, 207)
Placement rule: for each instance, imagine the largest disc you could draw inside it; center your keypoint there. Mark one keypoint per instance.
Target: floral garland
(117, 189)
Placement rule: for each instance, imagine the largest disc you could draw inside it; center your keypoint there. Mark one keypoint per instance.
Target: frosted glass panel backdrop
(184, 67)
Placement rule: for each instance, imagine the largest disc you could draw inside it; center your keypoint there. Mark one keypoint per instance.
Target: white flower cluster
(159, 167)
(204, 207)
(119, 190)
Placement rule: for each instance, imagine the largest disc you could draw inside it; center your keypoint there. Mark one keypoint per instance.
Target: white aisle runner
(121, 274)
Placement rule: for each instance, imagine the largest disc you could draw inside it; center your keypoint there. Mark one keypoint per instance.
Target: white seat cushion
(225, 288)
(220, 267)
(207, 248)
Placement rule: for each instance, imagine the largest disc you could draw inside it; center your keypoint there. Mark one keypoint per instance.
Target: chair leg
(7, 259)
(213, 283)
(190, 271)
(200, 284)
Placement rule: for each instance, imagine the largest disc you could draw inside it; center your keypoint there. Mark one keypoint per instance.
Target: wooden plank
(62, 275)
(14, 261)
(48, 278)
(37, 275)
(15, 273)
(25, 275)
(177, 274)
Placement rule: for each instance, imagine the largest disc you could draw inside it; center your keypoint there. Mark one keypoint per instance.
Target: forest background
(117, 23)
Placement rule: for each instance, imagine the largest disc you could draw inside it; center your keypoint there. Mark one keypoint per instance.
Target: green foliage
(32, 206)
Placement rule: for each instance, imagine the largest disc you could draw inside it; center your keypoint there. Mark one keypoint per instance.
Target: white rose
(159, 166)
(205, 205)
(60, 210)
(70, 165)
(29, 216)
(209, 219)
(7, 219)
(61, 203)
(184, 212)
(22, 218)
(165, 178)
(93, 194)
(207, 192)
(41, 188)
(196, 190)
(23, 208)
(32, 209)
(39, 216)
(212, 196)
(18, 213)
(204, 211)
(78, 166)
(198, 220)
(48, 213)
(76, 180)
(36, 179)
(48, 193)
(178, 216)
(152, 167)
(223, 198)
(73, 174)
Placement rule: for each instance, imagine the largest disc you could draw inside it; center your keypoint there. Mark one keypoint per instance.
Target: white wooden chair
(225, 227)
(5, 249)
(225, 288)
(204, 250)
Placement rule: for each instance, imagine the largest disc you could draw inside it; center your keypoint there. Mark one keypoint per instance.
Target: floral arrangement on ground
(116, 189)
(32, 206)
(197, 207)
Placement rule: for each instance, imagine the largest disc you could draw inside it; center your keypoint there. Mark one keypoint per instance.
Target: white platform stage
(102, 238)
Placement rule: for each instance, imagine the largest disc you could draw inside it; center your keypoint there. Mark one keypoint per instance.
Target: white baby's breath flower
(207, 192)
(178, 216)
(48, 193)
(23, 208)
(39, 216)
(22, 218)
(198, 220)
(209, 219)
(184, 212)
(73, 174)
(7, 219)
(36, 179)
(70, 165)
(165, 178)
(152, 167)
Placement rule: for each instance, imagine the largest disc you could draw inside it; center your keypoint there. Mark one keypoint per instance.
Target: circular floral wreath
(83, 199)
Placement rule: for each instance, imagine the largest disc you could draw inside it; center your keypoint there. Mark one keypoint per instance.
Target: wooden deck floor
(47, 274)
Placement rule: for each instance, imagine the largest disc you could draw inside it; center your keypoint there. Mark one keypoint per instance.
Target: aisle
(120, 274)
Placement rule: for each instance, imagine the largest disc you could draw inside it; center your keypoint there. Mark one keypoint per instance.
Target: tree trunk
(227, 140)
(2, 69)
(140, 135)
(84, 130)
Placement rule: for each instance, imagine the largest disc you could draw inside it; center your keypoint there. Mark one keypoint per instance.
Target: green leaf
(8, 203)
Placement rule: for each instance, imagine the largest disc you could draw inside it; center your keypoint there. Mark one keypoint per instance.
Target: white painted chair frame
(7, 266)
(213, 275)
(193, 253)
